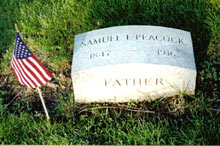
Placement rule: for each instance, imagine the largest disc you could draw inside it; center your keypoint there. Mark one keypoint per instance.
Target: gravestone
(132, 63)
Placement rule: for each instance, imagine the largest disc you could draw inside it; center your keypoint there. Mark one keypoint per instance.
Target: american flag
(28, 70)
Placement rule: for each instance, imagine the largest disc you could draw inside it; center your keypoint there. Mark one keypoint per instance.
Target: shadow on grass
(8, 19)
(181, 14)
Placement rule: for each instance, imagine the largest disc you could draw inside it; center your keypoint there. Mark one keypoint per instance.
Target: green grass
(106, 127)
(48, 28)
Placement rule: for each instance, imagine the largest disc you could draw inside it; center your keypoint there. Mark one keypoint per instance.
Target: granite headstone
(132, 63)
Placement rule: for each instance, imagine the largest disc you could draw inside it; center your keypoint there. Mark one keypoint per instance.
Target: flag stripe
(21, 78)
(16, 73)
(17, 67)
(24, 74)
(37, 69)
(30, 82)
(34, 71)
(42, 68)
(29, 73)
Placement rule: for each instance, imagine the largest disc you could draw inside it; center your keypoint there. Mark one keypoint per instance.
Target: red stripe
(36, 68)
(44, 68)
(31, 72)
(27, 76)
(20, 73)
(15, 73)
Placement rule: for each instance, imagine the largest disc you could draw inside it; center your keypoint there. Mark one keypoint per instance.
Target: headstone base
(132, 82)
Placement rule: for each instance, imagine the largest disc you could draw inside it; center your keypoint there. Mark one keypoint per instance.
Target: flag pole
(42, 100)
(16, 28)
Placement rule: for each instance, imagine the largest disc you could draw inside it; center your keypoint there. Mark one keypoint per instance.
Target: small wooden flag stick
(16, 28)
(42, 100)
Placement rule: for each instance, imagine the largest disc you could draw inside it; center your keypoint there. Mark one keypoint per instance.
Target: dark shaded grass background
(49, 27)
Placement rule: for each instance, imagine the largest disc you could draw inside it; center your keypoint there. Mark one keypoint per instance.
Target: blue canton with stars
(21, 51)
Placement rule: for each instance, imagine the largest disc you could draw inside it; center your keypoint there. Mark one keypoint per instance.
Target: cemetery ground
(48, 28)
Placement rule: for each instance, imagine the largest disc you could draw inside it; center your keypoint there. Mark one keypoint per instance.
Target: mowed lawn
(48, 27)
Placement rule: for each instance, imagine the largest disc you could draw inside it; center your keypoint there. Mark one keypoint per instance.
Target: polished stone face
(132, 63)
